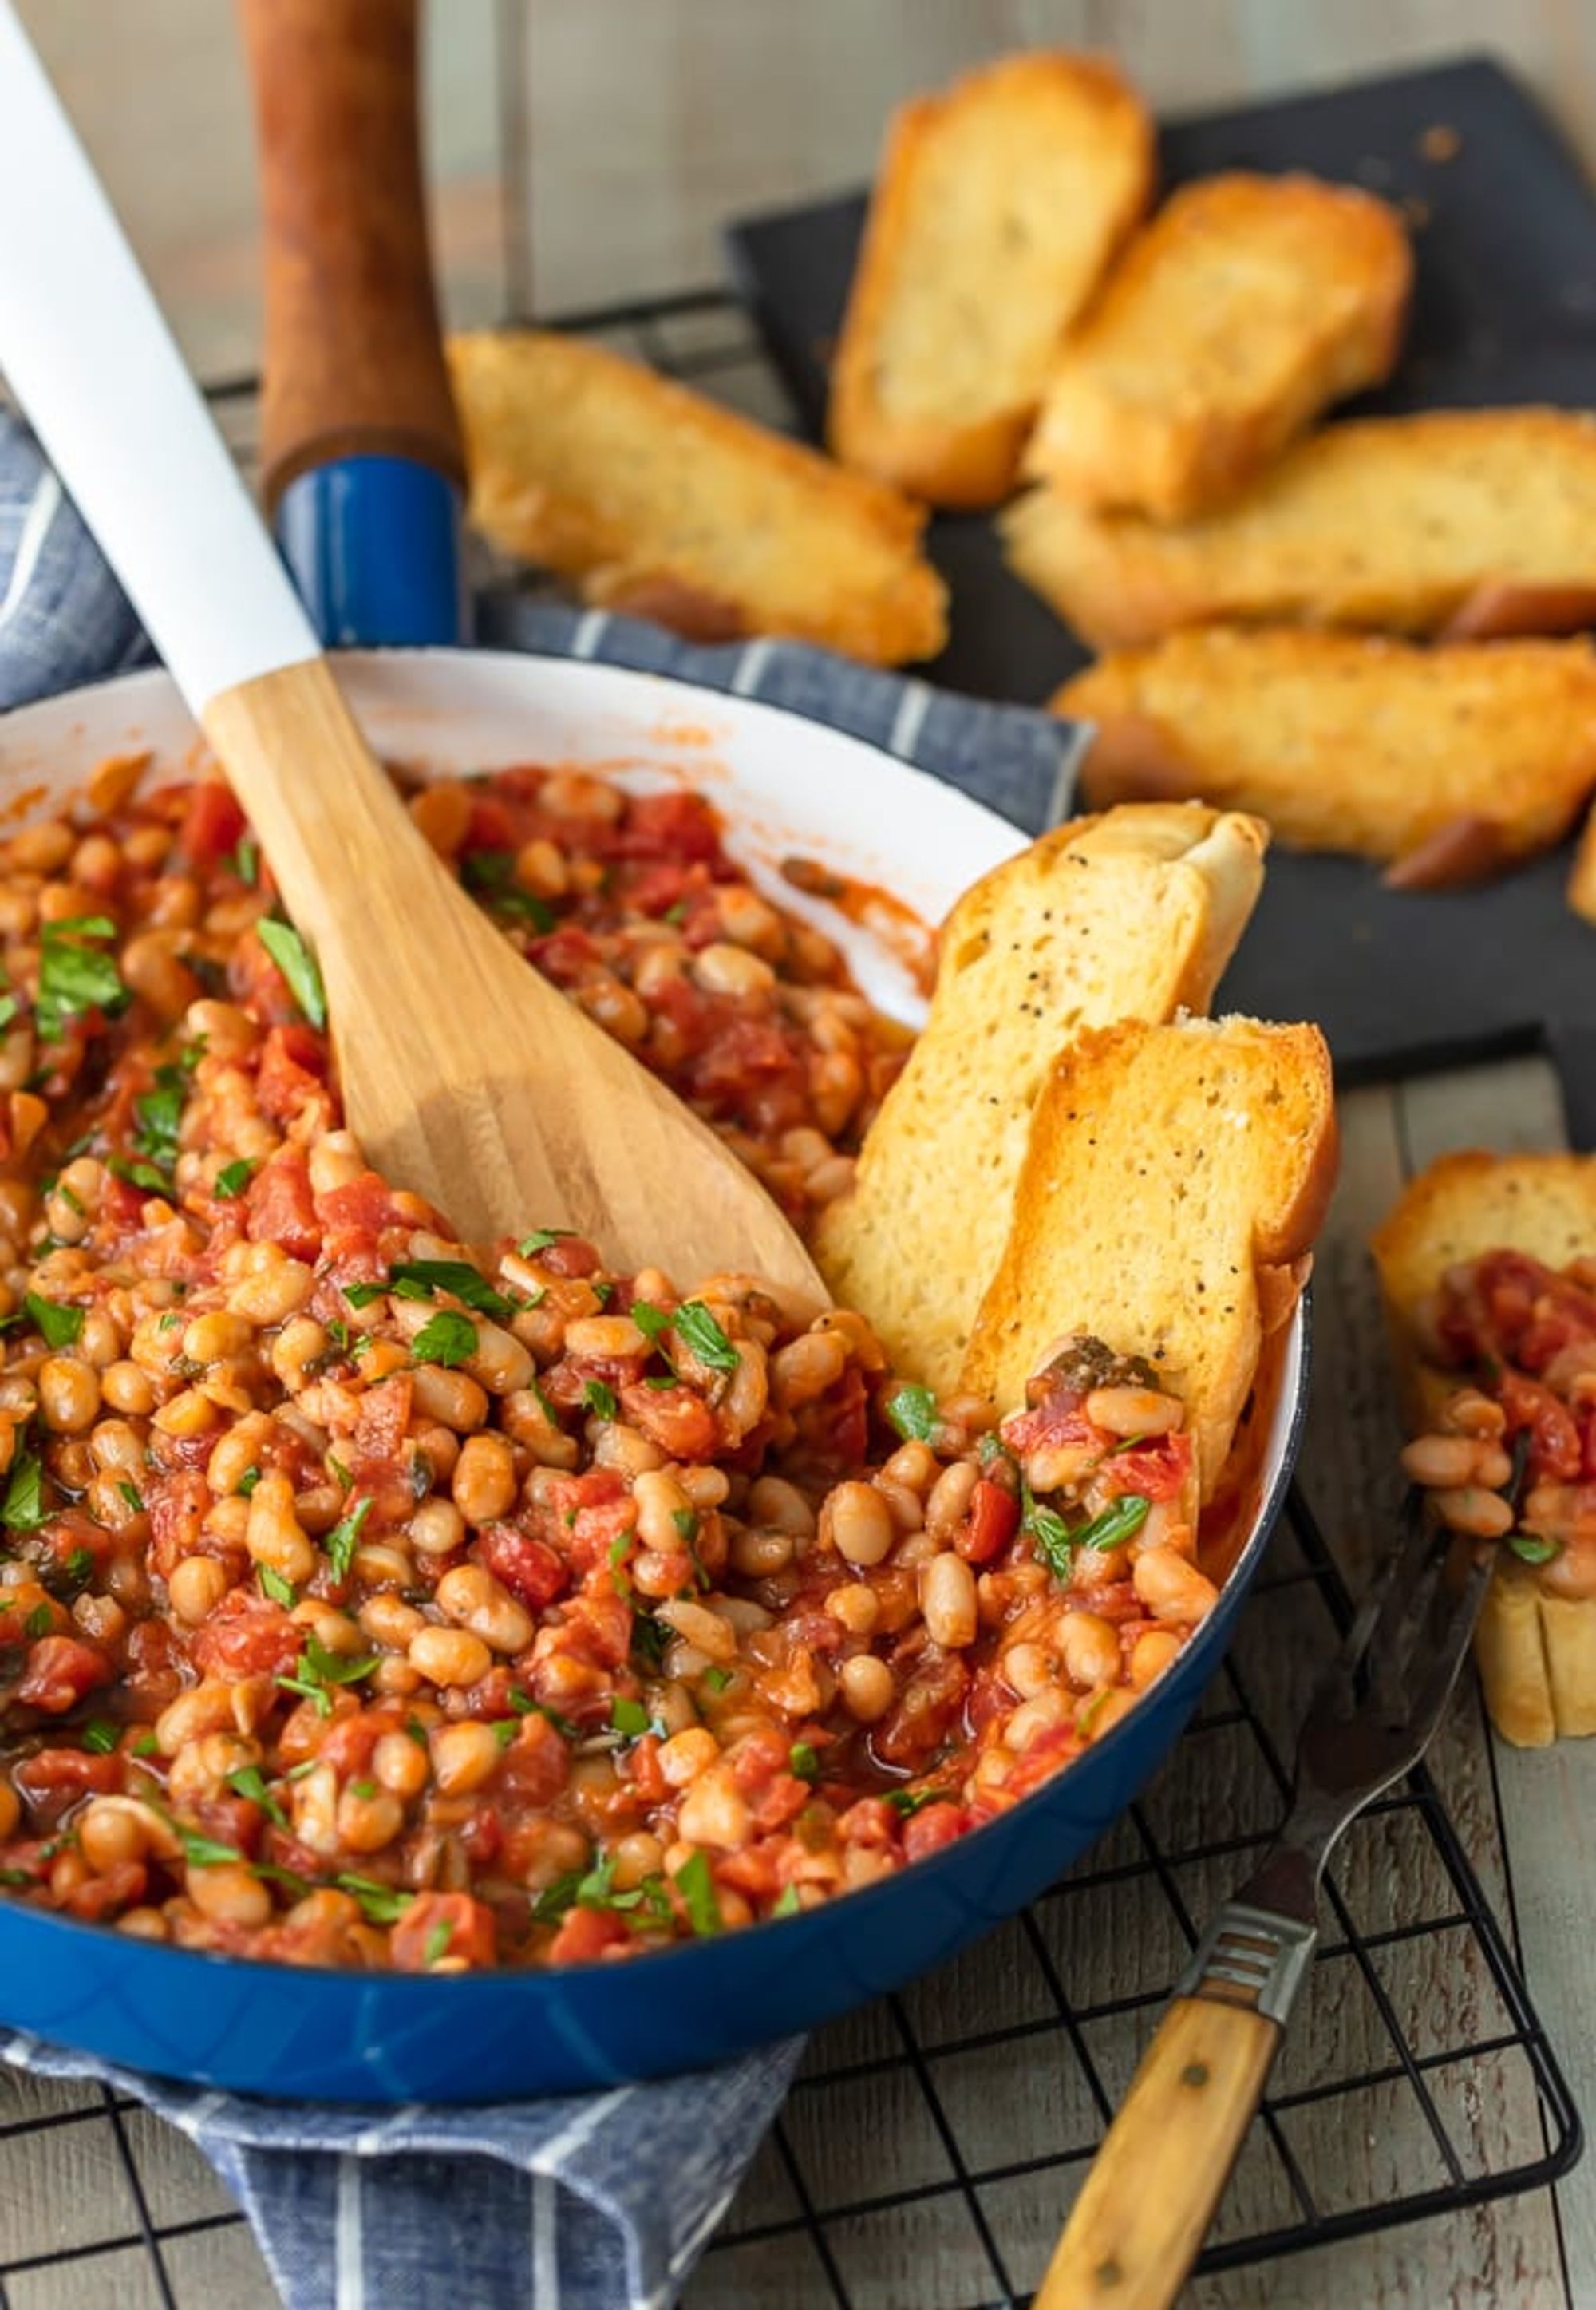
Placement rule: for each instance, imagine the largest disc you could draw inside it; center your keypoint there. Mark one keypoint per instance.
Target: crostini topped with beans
(372, 1600)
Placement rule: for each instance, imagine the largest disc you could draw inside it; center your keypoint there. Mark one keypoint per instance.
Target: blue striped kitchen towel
(597, 2201)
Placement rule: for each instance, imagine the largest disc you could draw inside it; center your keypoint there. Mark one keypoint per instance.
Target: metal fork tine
(1384, 1603)
(1450, 1625)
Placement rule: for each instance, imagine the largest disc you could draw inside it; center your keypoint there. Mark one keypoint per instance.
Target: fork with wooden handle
(464, 1075)
(1147, 2203)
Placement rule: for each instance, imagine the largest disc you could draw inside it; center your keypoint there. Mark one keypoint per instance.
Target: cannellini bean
(1088, 1648)
(865, 1683)
(948, 1601)
(452, 1658)
(858, 1523)
(1439, 1460)
(1474, 1511)
(1171, 1588)
(1133, 1410)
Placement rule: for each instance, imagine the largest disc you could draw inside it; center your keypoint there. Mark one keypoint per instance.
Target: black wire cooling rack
(1468, 2082)
(932, 2144)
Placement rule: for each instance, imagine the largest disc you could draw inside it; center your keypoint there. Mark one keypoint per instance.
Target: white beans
(948, 1601)
(859, 1524)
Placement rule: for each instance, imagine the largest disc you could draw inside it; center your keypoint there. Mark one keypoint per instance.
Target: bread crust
(1535, 1650)
(966, 458)
(1135, 912)
(1398, 525)
(1175, 1179)
(1242, 310)
(650, 498)
(1446, 762)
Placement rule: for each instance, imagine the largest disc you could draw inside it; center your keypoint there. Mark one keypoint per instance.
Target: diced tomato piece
(122, 1887)
(1157, 1470)
(679, 1421)
(246, 1636)
(52, 1781)
(932, 1828)
(1554, 1436)
(676, 823)
(991, 1524)
(442, 1924)
(280, 1208)
(61, 1671)
(178, 1505)
(366, 1205)
(211, 824)
(383, 1418)
(536, 1766)
(921, 1720)
(293, 1065)
(529, 1568)
(586, 1934)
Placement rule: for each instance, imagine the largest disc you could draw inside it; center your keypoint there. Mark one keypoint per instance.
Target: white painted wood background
(645, 123)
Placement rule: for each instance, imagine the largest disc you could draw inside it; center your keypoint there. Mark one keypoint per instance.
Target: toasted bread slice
(1451, 761)
(655, 501)
(1535, 1650)
(1132, 915)
(1482, 522)
(1248, 305)
(1175, 1179)
(998, 205)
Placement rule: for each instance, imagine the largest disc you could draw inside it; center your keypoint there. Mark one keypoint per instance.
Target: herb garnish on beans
(371, 1599)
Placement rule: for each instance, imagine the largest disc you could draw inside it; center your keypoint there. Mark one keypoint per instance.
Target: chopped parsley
(57, 1326)
(803, 1761)
(437, 1944)
(380, 1905)
(100, 1736)
(243, 860)
(320, 1671)
(789, 1904)
(295, 960)
(159, 1113)
(717, 1679)
(686, 1521)
(23, 1509)
(344, 1538)
(137, 1174)
(912, 1412)
(907, 1802)
(491, 875)
(78, 1566)
(1118, 1523)
(526, 1706)
(696, 1885)
(446, 1338)
(248, 1481)
(203, 1852)
(421, 1278)
(594, 1889)
(1048, 1532)
(146, 1745)
(131, 1494)
(696, 1328)
(540, 1239)
(75, 975)
(630, 1718)
(599, 1400)
(250, 1782)
(362, 1295)
(1531, 1548)
(233, 1178)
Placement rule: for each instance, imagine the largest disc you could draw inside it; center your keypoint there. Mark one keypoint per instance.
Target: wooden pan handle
(353, 360)
(1154, 2184)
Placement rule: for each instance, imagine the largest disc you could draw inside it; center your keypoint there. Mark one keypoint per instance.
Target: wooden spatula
(465, 1076)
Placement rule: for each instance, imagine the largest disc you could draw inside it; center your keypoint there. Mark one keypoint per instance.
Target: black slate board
(1505, 310)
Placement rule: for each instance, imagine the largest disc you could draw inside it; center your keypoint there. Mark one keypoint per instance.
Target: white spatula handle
(86, 351)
